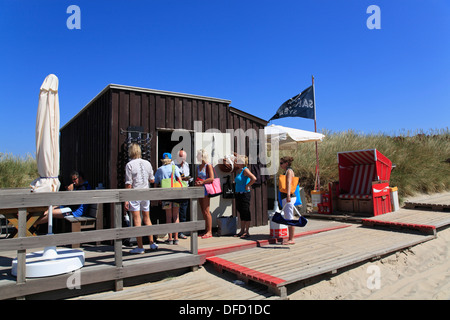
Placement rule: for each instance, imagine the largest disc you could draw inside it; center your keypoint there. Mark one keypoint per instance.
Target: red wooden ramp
(423, 221)
(246, 273)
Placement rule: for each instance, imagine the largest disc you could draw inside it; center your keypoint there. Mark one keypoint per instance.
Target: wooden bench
(93, 220)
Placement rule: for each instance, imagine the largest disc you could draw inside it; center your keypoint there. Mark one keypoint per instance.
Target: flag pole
(317, 180)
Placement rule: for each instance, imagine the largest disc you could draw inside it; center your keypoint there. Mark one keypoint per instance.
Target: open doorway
(165, 144)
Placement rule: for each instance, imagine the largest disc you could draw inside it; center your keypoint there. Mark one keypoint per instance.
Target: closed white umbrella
(50, 261)
(47, 141)
(287, 139)
(47, 137)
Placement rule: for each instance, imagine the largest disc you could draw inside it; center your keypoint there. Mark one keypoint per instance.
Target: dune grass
(422, 159)
(16, 171)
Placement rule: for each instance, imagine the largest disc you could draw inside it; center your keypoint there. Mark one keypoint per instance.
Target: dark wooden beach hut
(95, 140)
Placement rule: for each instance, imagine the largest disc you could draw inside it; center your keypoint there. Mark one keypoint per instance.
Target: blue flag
(302, 105)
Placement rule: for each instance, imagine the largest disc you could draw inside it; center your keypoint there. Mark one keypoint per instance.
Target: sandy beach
(421, 272)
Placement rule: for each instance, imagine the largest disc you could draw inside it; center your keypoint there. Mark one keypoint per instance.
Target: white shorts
(289, 208)
(143, 205)
(65, 211)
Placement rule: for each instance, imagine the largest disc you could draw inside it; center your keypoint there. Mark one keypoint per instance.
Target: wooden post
(21, 254)
(194, 234)
(317, 180)
(118, 244)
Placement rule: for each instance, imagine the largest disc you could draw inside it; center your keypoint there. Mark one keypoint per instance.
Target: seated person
(78, 210)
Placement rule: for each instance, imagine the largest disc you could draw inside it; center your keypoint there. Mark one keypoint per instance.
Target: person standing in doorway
(183, 167)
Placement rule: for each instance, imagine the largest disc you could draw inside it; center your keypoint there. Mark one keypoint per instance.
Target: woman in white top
(138, 175)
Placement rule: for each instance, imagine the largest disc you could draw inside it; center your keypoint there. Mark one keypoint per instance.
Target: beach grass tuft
(421, 159)
(17, 171)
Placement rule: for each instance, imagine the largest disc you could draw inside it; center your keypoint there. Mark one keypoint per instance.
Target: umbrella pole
(50, 220)
(275, 203)
(50, 252)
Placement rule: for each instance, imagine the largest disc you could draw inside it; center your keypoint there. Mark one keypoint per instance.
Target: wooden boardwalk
(435, 202)
(421, 220)
(167, 257)
(98, 270)
(325, 248)
(204, 284)
(278, 265)
(322, 247)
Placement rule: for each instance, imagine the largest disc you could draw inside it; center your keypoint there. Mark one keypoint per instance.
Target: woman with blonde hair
(205, 174)
(138, 174)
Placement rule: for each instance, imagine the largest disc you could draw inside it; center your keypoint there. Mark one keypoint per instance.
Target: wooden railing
(20, 201)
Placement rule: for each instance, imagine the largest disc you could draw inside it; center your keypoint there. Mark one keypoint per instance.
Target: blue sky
(255, 53)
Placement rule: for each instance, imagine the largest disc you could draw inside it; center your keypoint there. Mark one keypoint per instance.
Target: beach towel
(278, 218)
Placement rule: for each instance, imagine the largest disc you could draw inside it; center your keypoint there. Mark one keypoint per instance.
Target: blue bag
(298, 200)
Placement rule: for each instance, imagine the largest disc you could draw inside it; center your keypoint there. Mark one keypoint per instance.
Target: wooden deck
(421, 220)
(322, 247)
(260, 237)
(435, 202)
(100, 261)
(204, 284)
(279, 265)
(425, 214)
(97, 268)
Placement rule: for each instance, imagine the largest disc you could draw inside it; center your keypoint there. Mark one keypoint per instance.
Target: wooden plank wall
(84, 144)
(258, 205)
(155, 111)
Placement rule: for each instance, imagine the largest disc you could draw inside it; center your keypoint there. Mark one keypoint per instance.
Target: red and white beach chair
(364, 182)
